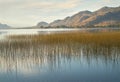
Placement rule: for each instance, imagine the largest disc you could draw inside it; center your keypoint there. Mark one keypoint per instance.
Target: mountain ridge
(104, 16)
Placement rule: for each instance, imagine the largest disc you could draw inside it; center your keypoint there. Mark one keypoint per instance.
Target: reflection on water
(58, 63)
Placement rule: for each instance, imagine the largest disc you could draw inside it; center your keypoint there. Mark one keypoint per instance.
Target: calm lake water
(57, 62)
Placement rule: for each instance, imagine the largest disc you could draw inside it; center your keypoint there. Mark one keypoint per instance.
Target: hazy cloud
(51, 5)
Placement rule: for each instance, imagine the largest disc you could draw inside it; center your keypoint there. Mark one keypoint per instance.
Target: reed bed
(64, 44)
(99, 38)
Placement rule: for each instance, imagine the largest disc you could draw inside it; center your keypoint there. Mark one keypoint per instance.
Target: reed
(99, 38)
(67, 44)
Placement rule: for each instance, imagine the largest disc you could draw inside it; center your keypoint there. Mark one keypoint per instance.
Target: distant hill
(3, 26)
(105, 16)
(42, 24)
(74, 20)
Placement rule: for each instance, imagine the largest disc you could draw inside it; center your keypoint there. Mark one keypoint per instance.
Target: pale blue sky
(18, 13)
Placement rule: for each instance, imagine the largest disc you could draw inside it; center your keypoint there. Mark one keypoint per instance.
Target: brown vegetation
(99, 38)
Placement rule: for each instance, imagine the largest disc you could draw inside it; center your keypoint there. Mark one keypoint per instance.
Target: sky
(23, 13)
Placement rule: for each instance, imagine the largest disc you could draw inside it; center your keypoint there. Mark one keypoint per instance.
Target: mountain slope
(103, 17)
(74, 20)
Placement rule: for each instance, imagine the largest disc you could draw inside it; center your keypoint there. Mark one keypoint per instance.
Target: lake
(40, 61)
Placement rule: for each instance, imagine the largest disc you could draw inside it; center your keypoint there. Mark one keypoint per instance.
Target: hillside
(105, 16)
(42, 24)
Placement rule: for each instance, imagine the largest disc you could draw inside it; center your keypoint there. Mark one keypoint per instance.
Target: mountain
(42, 24)
(105, 16)
(73, 20)
(3, 26)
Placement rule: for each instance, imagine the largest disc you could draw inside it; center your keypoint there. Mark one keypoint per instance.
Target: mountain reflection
(32, 59)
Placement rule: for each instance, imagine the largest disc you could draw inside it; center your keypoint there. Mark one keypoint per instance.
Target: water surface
(72, 62)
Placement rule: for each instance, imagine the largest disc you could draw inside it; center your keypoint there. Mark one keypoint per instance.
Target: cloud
(51, 5)
(70, 4)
